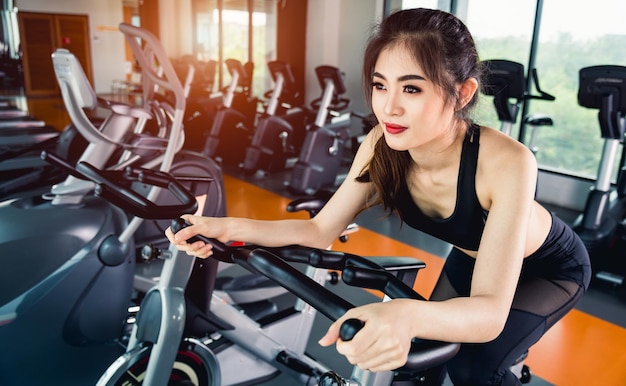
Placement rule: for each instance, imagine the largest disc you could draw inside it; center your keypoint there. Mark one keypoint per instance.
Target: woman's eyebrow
(402, 78)
(410, 77)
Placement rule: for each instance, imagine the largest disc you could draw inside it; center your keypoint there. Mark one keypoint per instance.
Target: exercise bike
(201, 102)
(232, 127)
(506, 82)
(322, 153)
(280, 130)
(602, 224)
(163, 347)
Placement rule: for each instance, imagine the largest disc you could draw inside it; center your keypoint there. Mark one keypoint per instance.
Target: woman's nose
(392, 105)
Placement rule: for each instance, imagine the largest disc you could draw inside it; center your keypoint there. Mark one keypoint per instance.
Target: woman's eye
(378, 86)
(411, 89)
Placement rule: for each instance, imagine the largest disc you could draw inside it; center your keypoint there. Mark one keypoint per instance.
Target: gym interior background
(556, 37)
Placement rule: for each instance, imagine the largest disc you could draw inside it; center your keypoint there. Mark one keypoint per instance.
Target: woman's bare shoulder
(496, 145)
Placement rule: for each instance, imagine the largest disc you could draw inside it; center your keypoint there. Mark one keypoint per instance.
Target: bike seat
(538, 120)
(312, 204)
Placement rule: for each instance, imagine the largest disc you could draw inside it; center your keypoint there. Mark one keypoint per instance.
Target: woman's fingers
(197, 248)
(381, 345)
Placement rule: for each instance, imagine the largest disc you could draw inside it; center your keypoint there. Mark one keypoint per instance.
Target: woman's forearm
(474, 319)
(277, 232)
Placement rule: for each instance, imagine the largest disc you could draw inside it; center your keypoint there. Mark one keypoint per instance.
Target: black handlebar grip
(177, 224)
(349, 328)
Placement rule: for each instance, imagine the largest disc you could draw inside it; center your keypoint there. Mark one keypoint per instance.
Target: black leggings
(540, 301)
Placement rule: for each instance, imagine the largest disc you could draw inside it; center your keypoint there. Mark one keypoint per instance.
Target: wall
(291, 31)
(336, 35)
(176, 30)
(107, 44)
(330, 38)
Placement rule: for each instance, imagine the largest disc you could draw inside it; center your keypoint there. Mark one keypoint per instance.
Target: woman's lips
(394, 129)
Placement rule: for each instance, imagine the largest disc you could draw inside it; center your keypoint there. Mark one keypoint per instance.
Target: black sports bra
(464, 228)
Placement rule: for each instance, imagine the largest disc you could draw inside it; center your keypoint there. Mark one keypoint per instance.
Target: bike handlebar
(115, 186)
(542, 94)
(357, 270)
(122, 195)
(271, 262)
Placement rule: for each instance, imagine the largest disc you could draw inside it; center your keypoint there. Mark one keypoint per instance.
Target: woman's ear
(467, 90)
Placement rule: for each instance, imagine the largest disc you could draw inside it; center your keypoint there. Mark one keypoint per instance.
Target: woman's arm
(318, 232)
(507, 181)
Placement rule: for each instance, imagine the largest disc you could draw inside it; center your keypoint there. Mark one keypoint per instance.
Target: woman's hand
(385, 340)
(207, 226)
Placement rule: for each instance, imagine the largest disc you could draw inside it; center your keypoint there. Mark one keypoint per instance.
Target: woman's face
(409, 107)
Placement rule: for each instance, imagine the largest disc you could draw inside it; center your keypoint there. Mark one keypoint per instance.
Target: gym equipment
(313, 204)
(234, 121)
(23, 170)
(67, 285)
(321, 156)
(536, 121)
(601, 224)
(70, 279)
(235, 345)
(505, 81)
(202, 103)
(19, 130)
(203, 81)
(10, 111)
(244, 290)
(163, 346)
(143, 148)
(277, 137)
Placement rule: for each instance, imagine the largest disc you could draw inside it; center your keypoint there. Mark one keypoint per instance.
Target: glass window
(502, 29)
(571, 36)
(264, 24)
(574, 35)
(248, 35)
(207, 32)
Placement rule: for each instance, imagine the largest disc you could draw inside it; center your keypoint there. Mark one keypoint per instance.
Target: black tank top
(465, 226)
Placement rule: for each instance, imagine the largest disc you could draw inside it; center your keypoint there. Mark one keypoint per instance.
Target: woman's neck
(442, 152)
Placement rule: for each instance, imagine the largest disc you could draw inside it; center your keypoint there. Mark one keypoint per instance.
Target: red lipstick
(394, 129)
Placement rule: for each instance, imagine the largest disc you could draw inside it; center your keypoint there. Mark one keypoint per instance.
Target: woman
(515, 269)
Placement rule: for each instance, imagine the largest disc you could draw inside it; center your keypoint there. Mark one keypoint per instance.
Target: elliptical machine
(68, 270)
(602, 225)
(321, 156)
(69, 281)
